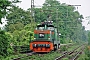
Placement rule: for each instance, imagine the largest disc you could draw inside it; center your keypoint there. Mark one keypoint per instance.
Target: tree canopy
(5, 6)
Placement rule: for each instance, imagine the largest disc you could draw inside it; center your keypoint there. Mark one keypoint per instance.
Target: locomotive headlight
(44, 45)
(47, 45)
(34, 45)
(48, 38)
(34, 38)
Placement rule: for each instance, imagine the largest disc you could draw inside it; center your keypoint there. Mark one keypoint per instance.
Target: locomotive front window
(41, 28)
(41, 35)
(50, 28)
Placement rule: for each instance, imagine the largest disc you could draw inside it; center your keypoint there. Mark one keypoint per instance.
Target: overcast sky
(84, 9)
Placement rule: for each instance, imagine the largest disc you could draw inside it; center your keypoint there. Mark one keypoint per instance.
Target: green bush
(63, 48)
(5, 49)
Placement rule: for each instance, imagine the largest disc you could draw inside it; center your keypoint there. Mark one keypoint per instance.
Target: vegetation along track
(27, 54)
(52, 55)
(78, 53)
(74, 54)
(32, 55)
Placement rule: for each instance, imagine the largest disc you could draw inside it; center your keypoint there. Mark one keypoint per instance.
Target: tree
(3, 7)
(18, 26)
(22, 37)
(4, 4)
(17, 16)
(4, 43)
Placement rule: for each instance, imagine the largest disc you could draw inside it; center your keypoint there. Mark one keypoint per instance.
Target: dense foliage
(5, 6)
(86, 54)
(5, 48)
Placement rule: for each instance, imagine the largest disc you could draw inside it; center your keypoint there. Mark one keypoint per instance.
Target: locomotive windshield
(50, 28)
(43, 27)
(40, 27)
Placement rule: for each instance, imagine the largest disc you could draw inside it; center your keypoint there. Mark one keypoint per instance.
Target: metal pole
(57, 18)
(32, 11)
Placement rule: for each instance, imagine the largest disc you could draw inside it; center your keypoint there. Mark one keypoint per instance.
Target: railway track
(75, 52)
(30, 54)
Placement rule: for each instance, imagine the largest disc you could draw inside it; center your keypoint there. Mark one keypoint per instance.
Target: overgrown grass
(85, 55)
(72, 47)
(11, 57)
(48, 56)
